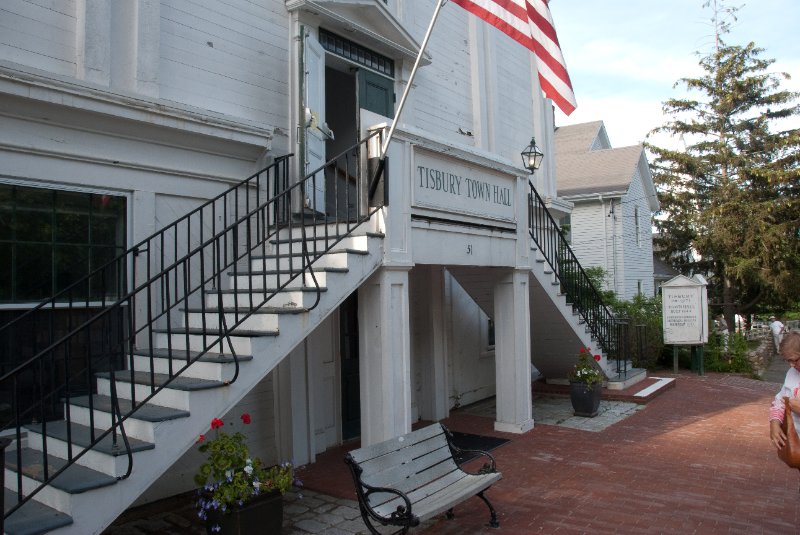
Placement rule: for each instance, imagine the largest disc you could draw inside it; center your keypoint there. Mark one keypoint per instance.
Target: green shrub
(643, 345)
(731, 360)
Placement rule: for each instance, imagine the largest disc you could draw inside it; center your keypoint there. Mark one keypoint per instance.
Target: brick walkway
(696, 459)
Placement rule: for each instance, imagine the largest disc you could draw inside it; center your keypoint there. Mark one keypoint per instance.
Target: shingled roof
(584, 169)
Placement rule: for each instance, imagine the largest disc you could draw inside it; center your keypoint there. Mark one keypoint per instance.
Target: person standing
(777, 329)
(722, 331)
(790, 351)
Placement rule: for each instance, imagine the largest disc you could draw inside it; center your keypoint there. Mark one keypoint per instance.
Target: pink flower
(597, 358)
(583, 350)
(216, 423)
(246, 418)
(201, 438)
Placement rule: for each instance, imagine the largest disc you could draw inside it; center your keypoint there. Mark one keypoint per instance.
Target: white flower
(248, 469)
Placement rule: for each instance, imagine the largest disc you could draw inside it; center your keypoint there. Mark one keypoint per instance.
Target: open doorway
(342, 77)
(348, 353)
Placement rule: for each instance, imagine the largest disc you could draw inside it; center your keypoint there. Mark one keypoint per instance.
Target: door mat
(468, 441)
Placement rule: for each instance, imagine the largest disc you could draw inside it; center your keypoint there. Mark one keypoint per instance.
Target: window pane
(107, 229)
(72, 217)
(46, 238)
(5, 272)
(34, 272)
(104, 284)
(6, 212)
(72, 264)
(34, 215)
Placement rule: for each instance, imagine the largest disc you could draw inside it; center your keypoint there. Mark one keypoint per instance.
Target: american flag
(529, 22)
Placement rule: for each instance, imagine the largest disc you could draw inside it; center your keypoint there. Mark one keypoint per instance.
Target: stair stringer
(92, 511)
(557, 330)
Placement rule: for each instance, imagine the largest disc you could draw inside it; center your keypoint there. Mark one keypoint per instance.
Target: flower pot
(262, 514)
(585, 398)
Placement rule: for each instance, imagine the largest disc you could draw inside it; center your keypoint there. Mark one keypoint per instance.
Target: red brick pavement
(695, 460)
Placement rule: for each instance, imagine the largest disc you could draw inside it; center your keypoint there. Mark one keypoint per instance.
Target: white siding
(471, 363)
(637, 258)
(515, 86)
(39, 33)
(442, 93)
(593, 237)
(229, 57)
(607, 238)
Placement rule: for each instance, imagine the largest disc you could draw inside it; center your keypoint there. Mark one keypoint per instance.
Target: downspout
(614, 245)
(605, 232)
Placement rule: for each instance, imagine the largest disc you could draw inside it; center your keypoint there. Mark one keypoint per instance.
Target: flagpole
(400, 106)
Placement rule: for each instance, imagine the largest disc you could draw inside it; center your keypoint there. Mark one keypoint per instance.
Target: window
(356, 53)
(636, 225)
(50, 239)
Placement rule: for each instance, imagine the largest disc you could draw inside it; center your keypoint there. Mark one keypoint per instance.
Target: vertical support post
(675, 359)
(513, 353)
(435, 389)
(384, 355)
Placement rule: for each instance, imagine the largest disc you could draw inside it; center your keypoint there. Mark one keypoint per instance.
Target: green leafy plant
(230, 477)
(586, 370)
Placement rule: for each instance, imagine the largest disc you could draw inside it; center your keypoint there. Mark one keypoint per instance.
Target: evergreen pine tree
(730, 197)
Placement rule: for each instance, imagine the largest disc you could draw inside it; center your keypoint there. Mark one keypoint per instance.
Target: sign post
(685, 316)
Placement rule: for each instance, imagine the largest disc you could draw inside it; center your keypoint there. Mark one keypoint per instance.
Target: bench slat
(414, 481)
(465, 488)
(362, 455)
(423, 492)
(394, 469)
(442, 495)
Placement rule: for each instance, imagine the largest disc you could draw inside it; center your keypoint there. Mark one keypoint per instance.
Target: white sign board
(450, 185)
(684, 311)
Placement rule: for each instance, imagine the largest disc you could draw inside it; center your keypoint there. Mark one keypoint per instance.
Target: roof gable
(597, 171)
(581, 137)
(586, 165)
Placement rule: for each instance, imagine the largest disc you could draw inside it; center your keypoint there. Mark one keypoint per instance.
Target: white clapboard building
(195, 223)
(613, 199)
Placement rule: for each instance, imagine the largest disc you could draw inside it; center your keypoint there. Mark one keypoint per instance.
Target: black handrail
(574, 281)
(201, 265)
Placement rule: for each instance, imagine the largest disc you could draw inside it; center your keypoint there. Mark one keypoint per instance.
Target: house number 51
(469, 249)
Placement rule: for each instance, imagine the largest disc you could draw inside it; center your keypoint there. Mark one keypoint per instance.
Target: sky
(624, 56)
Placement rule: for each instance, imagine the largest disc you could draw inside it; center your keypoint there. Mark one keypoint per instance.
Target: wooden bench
(412, 478)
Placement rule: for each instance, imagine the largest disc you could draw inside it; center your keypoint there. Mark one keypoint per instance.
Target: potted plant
(586, 384)
(238, 494)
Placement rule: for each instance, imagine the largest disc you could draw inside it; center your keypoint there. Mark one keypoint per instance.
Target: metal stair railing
(573, 280)
(117, 311)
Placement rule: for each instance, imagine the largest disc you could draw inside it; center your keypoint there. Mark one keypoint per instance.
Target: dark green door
(348, 347)
(375, 93)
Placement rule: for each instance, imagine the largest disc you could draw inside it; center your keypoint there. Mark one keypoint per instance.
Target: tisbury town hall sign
(451, 185)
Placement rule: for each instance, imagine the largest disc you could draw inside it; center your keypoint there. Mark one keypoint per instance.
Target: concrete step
(623, 380)
(33, 518)
(140, 425)
(107, 457)
(294, 295)
(73, 480)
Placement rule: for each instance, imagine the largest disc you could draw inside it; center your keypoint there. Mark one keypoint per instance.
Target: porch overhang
(366, 21)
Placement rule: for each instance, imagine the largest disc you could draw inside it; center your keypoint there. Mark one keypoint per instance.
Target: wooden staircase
(90, 493)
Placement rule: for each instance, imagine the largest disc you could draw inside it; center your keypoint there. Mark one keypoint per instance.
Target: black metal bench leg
(493, 523)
